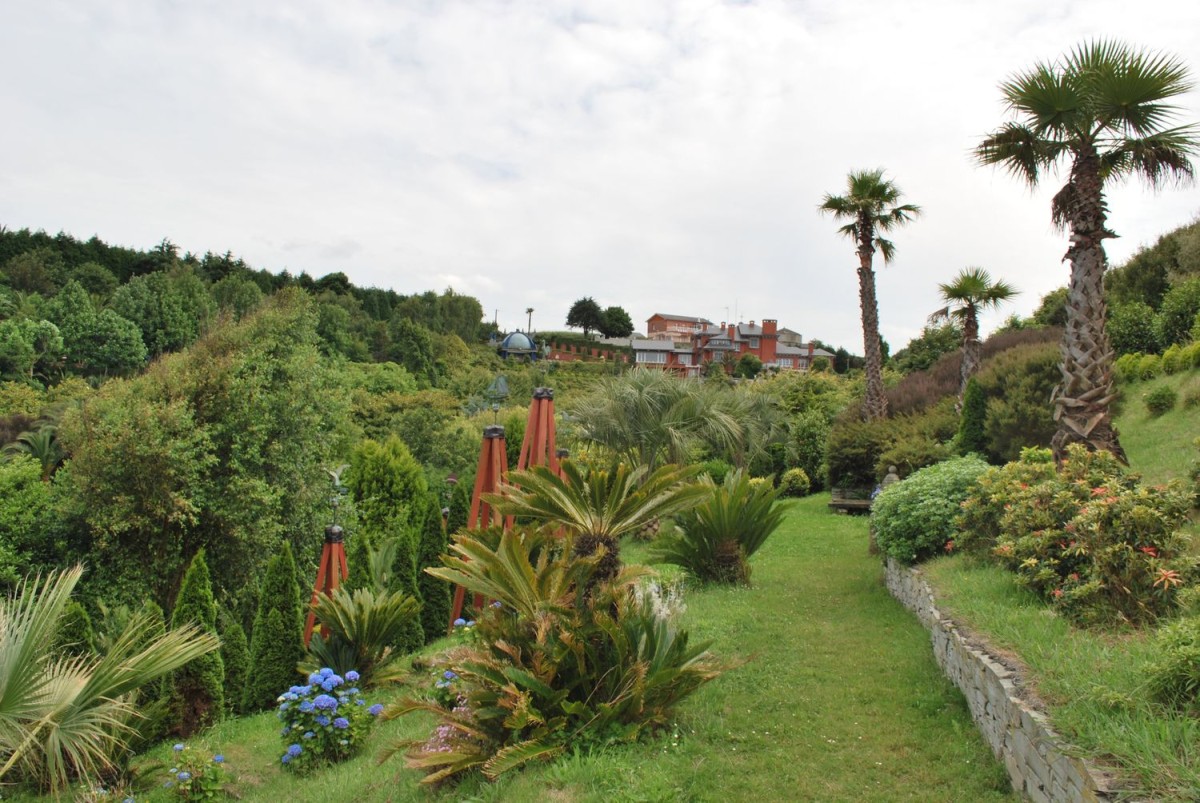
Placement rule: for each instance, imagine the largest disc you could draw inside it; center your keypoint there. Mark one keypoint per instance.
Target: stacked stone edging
(1019, 735)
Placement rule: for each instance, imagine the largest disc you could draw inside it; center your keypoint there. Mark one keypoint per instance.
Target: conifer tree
(358, 561)
(435, 593)
(404, 580)
(235, 652)
(971, 435)
(460, 505)
(76, 635)
(277, 642)
(198, 688)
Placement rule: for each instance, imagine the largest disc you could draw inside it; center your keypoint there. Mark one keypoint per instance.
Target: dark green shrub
(435, 593)
(715, 539)
(198, 688)
(1089, 537)
(1178, 311)
(716, 470)
(1149, 366)
(1018, 385)
(971, 436)
(914, 519)
(277, 641)
(854, 450)
(794, 483)
(75, 634)
(1131, 328)
(1173, 677)
(808, 438)
(235, 654)
(358, 562)
(1161, 400)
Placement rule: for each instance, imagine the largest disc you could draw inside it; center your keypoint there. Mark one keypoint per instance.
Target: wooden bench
(851, 500)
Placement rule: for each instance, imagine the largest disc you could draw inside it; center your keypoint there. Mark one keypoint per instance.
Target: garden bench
(851, 500)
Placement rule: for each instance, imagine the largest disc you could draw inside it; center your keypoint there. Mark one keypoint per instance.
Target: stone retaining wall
(1018, 734)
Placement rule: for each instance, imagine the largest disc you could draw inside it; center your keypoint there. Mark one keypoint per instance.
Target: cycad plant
(715, 539)
(62, 717)
(559, 662)
(358, 631)
(597, 505)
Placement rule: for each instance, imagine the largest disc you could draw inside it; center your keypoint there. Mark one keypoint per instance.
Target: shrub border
(1039, 763)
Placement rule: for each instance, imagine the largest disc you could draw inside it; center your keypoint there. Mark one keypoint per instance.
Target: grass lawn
(838, 699)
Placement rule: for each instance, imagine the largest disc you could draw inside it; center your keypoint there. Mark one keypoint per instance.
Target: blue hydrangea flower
(178, 747)
(285, 758)
(218, 758)
(352, 676)
(314, 678)
(496, 604)
(325, 702)
(306, 706)
(448, 675)
(322, 720)
(470, 623)
(360, 701)
(442, 684)
(341, 723)
(355, 690)
(375, 709)
(325, 672)
(307, 735)
(283, 706)
(183, 776)
(459, 622)
(294, 750)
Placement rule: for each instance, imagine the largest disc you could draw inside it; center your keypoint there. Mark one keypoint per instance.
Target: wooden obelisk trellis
(493, 469)
(537, 449)
(332, 572)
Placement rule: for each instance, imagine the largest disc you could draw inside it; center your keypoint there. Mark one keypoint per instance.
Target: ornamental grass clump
(1089, 537)
(324, 721)
(715, 539)
(913, 520)
(559, 661)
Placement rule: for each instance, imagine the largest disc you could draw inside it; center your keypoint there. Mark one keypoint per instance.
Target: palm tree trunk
(1081, 402)
(972, 348)
(874, 403)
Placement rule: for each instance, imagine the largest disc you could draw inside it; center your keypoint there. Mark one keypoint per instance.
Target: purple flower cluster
(328, 715)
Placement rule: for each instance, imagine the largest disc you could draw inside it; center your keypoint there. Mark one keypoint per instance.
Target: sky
(658, 155)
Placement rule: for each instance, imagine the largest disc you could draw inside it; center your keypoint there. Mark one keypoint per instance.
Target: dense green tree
(748, 366)
(236, 295)
(96, 279)
(615, 322)
(235, 655)
(170, 309)
(971, 291)
(277, 640)
(927, 348)
(27, 521)
(95, 343)
(1101, 109)
(39, 270)
(585, 314)
(198, 687)
(872, 205)
(29, 348)
(412, 347)
(971, 435)
(1052, 311)
(1179, 308)
(435, 593)
(1131, 328)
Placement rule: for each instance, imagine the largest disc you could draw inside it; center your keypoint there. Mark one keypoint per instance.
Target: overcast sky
(664, 156)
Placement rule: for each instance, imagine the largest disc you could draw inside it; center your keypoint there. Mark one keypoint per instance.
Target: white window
(684, 359)
(652, 357)
(754, 342)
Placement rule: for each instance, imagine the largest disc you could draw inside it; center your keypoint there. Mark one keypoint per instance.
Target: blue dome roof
(517, 341)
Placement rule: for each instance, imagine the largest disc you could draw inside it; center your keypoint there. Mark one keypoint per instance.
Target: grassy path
(839, 700)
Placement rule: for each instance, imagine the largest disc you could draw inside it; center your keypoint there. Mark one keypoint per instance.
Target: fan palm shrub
(558, 661)
(597, 505)
(66, 718)
(715, 539)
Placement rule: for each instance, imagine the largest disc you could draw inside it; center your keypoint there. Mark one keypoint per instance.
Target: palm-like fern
(63, 717)
(714, 539)
(359, 629)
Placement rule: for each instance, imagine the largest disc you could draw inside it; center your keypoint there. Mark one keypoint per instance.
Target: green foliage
(412, 347)
(434, 593)
(95, 342)
(1018, 384)
(236, 296)
(67, 720)
(325, 721)
(27, 519)
(358, 562)
(1161, 400)
(615, 322)
(75, 634)
(914, 441)
(794, 482)
(1089, 538)
(198, 689)
(1172, 360)
(361, 629)
(715, 470)
(808, 438)
(854, 450)
(1149, 366)
(1126, 367)
(585, 314)
(553, 668)
(1052, 311)
(170, 309)
(914, 519)
(971, 435)
(29, 348)
(748, 366)
(1174, 676)
(196, 774)
(926, 349)
(715, 539)
(1130, 328)
(277, 640)
(1179, 308)
(235, 655)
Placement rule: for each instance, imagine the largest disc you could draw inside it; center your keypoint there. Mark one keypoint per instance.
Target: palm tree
(598, 506)
(529, 319)
(871, 204)
(1100, 110)
(42, 445)
(64, 717)
(971, 290)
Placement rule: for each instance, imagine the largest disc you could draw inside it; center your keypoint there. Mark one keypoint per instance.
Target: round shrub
(1174, 676)
(794, 483)
(1173, 360)
(1161, 400)
(1126, 367)
(1192, 353)
(1149, 366)
(1191, 394)
(716, 469)
(324, 721)
(913, 520)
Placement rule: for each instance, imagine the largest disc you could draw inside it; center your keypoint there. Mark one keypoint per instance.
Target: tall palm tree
(1100, 110)
(529, 319)
(871, 204)
(971, 291)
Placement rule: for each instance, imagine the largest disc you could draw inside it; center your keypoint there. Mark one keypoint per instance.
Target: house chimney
(752, 323)
(770, 326)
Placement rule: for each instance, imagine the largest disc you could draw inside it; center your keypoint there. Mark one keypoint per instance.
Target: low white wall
(1019, 735)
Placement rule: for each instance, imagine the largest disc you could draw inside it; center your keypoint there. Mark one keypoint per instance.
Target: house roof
(689, 318)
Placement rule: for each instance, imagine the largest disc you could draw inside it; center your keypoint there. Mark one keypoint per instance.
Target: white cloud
(663, 156)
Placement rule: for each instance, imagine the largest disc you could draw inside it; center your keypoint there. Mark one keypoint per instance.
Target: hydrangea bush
(324, 721)
(196, 774)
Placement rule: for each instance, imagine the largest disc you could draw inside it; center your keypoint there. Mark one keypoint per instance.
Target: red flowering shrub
(1089, 537)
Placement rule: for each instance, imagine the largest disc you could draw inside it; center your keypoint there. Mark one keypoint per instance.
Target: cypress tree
(971, 435)
(154, 698)
(235, 652)
(198, 688)
(460, 505)
(358, 561)
(404, 580)
(435, 593)
(277, 643)
(76, 635)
